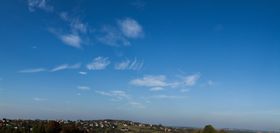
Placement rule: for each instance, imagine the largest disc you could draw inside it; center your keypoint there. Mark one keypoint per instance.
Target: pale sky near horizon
(179, 63)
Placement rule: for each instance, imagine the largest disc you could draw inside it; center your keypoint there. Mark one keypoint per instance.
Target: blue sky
(181, 63)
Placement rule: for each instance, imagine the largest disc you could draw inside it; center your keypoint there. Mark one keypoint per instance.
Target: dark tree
(38, 128)
(71, 128)
(52, 127)
(209, 129)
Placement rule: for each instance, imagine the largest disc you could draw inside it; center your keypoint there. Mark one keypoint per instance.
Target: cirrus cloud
(98, 63)
(119, 35)
(33, 70)
(71, 40)
(129, 65)
(191, 80)
(66, 66)
(83, 73)
(160, 82)
(83, 88)
(39, 4)
(130, 28)
(150, 81)
(117, 94)
(156, 88)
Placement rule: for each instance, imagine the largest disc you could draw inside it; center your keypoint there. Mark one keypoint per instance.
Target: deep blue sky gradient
(233, 44)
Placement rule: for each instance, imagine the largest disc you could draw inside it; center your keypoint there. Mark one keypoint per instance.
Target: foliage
(209, 129)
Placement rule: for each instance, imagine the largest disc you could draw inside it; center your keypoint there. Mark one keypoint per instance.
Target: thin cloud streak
(66, 66)
(57, 68)
(150, 81)
(84, 88)
(159, 82)
(156, 88)
(83, 73)
(33, 70)
(117, 94)
(163, 96)
(38, 99)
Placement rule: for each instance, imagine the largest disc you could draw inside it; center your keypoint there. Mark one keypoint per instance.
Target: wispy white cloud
(57, 68)
(73, 40)
(130, 28)
(163, 96)
(191, 80)
(129, 65)
(79, 32)
(119, 35)
(136, 65)
(66, 66)
(33, 70)
(76, 33)
(68, 38)
(117, 94)
(136, 104)
(112, 36)
(156, 88)
(160, 82)
(150, 81)
(75, 24)
(38, 99)
(99, 63)
(39, 4)
(83, 88)
(122, 65)
(83, 73)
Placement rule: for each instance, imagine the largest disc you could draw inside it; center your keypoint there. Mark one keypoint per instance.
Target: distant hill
(100, 126)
